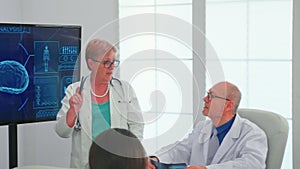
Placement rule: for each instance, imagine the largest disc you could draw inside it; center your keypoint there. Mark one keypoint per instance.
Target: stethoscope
(77, 126)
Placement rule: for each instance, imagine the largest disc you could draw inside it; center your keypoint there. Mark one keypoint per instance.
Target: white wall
(10, 11)
(296, 84)
(38, 143)
(4, 163)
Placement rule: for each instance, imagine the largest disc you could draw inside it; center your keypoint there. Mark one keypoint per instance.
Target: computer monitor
(37, 63)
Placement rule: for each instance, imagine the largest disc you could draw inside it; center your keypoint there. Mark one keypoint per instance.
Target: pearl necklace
(100, 95)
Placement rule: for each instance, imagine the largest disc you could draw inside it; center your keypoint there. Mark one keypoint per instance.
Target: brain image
(13, 77)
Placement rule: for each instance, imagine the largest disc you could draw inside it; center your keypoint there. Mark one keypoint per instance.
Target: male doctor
(223, 141)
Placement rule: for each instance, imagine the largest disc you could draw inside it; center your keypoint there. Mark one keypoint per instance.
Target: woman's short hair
(98, 47)
(117, 148)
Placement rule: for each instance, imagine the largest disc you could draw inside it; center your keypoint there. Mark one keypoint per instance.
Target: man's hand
(150, 165)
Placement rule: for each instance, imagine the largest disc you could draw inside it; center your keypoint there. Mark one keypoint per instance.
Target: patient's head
(117, 149)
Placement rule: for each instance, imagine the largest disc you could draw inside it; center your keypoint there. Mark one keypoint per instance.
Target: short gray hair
(98, 47)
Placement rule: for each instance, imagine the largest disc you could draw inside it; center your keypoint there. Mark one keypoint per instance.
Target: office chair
(276, 128)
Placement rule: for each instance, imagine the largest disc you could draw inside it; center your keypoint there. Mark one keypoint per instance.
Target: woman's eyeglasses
(107, 64)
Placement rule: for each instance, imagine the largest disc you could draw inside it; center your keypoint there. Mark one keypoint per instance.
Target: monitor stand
(13, 145)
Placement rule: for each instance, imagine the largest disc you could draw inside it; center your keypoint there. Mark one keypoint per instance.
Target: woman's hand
(76, 101)
(75, 104)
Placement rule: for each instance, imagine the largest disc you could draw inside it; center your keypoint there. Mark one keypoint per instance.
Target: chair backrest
(276, 128)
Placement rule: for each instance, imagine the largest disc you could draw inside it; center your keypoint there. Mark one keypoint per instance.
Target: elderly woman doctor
(96, 103)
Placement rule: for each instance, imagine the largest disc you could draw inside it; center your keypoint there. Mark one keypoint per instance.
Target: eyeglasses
(107, 64)
(210, 96)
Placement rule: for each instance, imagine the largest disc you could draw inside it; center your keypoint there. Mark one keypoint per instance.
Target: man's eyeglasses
(210, 96)
(107, 64)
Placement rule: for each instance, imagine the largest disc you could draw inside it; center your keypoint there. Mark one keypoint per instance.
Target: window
(253, 42)
(153, 61)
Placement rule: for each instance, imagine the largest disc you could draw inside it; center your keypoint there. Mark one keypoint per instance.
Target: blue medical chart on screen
(37, 63)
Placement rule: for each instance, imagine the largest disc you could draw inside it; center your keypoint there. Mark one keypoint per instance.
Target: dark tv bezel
(45, 25)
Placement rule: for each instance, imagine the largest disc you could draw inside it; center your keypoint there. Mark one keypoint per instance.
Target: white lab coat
(244, 147)
(124, 110)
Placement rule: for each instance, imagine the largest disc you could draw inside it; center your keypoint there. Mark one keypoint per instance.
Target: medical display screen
(37, 63)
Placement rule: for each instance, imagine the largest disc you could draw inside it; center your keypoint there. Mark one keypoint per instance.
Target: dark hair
(117, 148)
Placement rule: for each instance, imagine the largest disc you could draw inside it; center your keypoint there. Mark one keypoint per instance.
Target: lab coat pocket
(122, 108)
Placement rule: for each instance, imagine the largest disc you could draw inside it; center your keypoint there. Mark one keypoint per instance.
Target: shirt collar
(226, 126)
